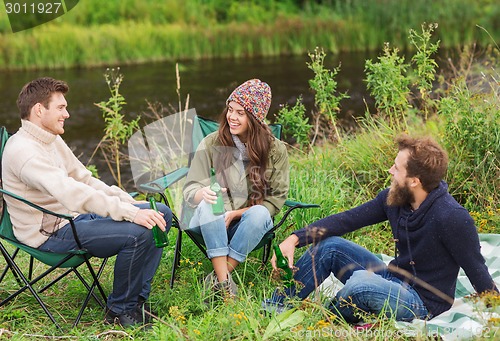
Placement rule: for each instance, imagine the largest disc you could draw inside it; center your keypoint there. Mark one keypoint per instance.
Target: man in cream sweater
(39, 166)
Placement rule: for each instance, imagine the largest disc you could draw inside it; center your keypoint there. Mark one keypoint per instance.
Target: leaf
(284, 321)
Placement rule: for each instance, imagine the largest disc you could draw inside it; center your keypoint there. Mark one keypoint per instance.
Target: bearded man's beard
(400, 195)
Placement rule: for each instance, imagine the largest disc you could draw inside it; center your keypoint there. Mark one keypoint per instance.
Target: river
(208, 83)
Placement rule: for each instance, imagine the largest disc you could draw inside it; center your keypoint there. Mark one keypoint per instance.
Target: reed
(121, 32)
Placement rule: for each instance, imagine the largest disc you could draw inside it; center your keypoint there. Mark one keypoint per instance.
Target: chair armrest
(44, 210)
(297, 204)
(292, 205)
(160, 184)
(35, 206)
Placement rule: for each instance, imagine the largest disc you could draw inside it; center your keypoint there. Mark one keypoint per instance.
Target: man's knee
(358, 284)
(331, 244)
(167, 212)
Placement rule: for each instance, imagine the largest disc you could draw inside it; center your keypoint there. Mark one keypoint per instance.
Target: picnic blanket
(466, 319)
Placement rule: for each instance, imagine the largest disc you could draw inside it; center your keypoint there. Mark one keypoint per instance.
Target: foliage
(389, 80)
(295, 123)
(324, 85)
(130, 31)
(117, 130)
(388, 84)
(93, 170)
(335, 176)
(471, 116)
(425, 72)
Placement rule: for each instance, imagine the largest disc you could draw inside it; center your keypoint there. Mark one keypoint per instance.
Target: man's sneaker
(126, 319)
(363, 326)
(273, 307)
(277, 303)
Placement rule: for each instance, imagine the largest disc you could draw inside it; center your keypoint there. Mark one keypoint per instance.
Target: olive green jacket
(278, 176)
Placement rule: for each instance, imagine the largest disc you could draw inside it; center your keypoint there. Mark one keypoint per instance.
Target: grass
(335, 177)
(127, 31)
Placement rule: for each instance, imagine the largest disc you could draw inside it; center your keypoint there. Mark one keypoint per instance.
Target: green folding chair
(201, 127)
(69, 262)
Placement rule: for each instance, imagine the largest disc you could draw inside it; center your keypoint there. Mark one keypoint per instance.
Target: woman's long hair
(258, 145)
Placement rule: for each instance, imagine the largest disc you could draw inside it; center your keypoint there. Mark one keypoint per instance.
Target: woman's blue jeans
(239, 239)
(137, 256)
(368, 284)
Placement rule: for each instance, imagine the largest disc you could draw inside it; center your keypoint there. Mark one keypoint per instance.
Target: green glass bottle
(160, 237)
(282, 263)
(218, 207)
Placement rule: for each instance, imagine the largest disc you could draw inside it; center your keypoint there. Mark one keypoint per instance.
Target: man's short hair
(427, 160)
(38, 91)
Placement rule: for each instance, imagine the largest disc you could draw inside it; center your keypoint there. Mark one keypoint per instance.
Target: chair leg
(7, 267)
(28, 285)
(30, 273)
(266, 253)
(91, 293)
(95, 277)
(54, 281)
(177, 257)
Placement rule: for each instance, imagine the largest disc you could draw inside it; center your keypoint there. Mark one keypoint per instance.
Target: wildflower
(177, 314)
(322, 324)
(494, 320)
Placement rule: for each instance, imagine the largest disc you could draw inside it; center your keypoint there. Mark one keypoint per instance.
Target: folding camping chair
(69, 261)
(201, 127)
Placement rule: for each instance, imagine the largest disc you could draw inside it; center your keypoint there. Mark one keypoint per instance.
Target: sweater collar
(413, 219)
(243, 151)
(37, 132)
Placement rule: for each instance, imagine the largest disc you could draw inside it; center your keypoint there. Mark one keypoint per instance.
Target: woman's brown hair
(258, 145)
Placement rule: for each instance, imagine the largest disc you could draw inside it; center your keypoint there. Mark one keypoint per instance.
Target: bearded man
(434, 237)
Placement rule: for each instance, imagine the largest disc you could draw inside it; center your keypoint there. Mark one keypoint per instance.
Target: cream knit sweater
(40, 167)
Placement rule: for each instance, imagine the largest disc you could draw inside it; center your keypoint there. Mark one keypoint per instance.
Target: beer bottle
(218, 207)
(160, 237)
(282, 263)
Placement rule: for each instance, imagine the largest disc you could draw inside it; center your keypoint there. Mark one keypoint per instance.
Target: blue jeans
(137, 256)
(368, 284)
(239, 239)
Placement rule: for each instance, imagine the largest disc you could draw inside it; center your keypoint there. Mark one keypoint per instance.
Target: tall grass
(336, 176)
(120, 32)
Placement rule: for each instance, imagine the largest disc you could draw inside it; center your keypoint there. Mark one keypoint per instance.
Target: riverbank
(126, 32)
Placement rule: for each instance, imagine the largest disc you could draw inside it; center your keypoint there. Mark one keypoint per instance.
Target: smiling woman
(237, 120)
(252, 167)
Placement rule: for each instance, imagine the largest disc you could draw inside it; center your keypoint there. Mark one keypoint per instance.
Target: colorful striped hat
(255, 96)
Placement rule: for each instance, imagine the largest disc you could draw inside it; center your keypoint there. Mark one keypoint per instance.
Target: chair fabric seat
(200, 128)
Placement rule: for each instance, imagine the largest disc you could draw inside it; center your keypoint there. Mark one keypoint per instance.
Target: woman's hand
(229, 216)
(206, 194)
